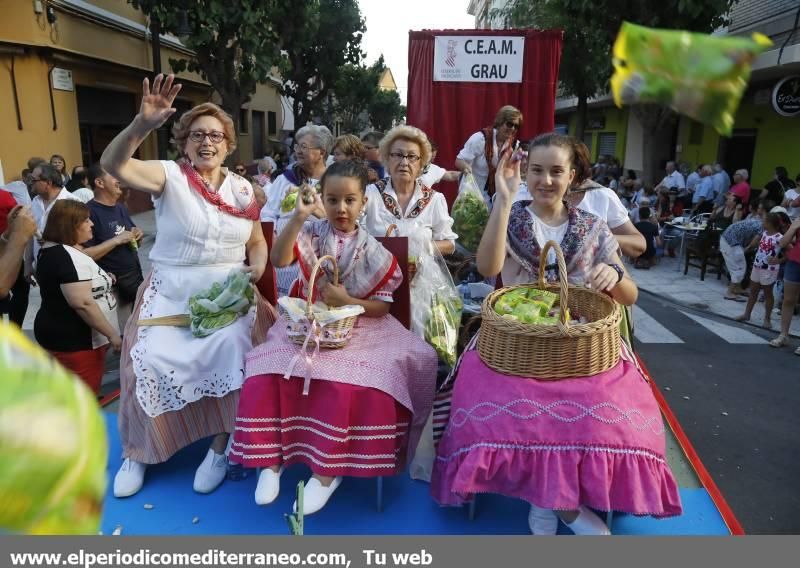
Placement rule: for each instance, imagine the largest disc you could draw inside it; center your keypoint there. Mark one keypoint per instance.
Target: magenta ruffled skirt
(594, 441)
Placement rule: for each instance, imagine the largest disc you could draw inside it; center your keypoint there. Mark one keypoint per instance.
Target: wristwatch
(620, 271)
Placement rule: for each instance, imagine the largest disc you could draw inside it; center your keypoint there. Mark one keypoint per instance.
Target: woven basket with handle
(334, 335)
(553, 352)
(412, 265)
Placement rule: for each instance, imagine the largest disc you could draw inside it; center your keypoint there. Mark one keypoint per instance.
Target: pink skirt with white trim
(336, 430)
(595, 441)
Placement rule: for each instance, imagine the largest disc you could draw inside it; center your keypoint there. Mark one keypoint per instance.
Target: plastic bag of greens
(698, 75)
(222, 304)
(53, 446)
(470, 214)
(435, 302)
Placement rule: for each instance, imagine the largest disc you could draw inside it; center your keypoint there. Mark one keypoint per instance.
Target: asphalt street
(737, 399)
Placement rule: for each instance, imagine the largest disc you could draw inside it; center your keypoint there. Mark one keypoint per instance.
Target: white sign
(481, 59)
(62, 79)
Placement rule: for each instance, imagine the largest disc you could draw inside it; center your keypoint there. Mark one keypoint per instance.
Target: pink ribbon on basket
(313, 330)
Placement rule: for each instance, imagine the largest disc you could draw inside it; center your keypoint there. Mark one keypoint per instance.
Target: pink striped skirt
(336, 430)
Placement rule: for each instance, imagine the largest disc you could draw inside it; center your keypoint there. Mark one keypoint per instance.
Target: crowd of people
(363, 411)
(80, 252)
(756, 228)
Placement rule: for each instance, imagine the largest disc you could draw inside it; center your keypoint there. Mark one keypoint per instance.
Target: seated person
(649, 229)
(359, 411)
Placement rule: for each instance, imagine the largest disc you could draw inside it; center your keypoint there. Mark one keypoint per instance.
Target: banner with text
(483, 59)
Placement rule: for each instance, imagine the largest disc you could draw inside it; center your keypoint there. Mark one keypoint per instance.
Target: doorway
(102, 114)
(737, 152)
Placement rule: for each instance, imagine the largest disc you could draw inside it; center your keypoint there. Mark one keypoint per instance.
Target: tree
(318, 38)
(385, 109)
(354, 91)
(590, 27)
(234, 50)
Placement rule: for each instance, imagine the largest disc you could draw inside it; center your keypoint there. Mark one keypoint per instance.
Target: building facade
(71, 79)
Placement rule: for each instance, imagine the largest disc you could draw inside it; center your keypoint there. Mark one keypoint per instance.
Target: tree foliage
(234, 50)
(238, 43)
(318, 38)
(352, 93)
(357, 101)
(385, 109)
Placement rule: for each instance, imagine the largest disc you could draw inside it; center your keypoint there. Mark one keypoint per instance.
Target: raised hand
(304, 209)
(507, 177)
(156, 107)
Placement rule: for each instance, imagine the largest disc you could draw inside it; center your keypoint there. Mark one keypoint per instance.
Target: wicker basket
(412, 265)
(333, 336)
(553, 352)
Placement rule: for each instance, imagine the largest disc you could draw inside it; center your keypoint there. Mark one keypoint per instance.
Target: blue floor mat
(408, 507)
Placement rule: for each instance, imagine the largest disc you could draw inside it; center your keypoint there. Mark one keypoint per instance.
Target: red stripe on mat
(702, 473)
(109, 398)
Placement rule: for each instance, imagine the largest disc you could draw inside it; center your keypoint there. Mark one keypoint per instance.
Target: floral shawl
(587, 242)
(364, 268)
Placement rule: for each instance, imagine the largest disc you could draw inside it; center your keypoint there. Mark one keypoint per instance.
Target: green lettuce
(221, 304)
(470, 215)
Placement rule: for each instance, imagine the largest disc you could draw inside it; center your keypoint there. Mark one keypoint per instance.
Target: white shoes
(542, 521)
(269, 485)
(211, 472)
(129, 478)
(588, 523)
(316, 495)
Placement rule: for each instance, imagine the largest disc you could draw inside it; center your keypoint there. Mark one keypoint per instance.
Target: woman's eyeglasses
(304, 147)
(240, 170)
(514, 125)
(412, 158)
(198, 136)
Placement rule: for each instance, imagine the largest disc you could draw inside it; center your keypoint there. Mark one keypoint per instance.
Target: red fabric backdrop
(450, 112)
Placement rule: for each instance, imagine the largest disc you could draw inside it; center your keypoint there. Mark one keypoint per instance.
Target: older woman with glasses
(312, 145)
(402, 199)
(481, 152)
(177, 388)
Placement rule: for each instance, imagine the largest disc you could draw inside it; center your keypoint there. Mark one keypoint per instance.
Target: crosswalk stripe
(729, 333)
(648, 330)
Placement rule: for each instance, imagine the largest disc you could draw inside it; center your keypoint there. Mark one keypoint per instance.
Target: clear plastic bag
(470, 213)
(435, 302)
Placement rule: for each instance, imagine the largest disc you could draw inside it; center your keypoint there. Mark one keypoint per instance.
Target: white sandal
(779, 341)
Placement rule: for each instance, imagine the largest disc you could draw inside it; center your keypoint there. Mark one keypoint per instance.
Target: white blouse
(606, 204)
(474, 153)
(434, 218)
(277, 192)
(192, 231)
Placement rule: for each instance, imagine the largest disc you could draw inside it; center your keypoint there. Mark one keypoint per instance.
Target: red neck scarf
(201, 186)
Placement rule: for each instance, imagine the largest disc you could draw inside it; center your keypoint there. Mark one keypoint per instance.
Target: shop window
(272, 123)
(244, 127)
(695, 133)
(607, 144)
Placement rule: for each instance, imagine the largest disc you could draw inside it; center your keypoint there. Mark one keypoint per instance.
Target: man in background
(114, 239)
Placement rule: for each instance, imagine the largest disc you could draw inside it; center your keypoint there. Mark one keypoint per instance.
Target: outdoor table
(685, 228)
